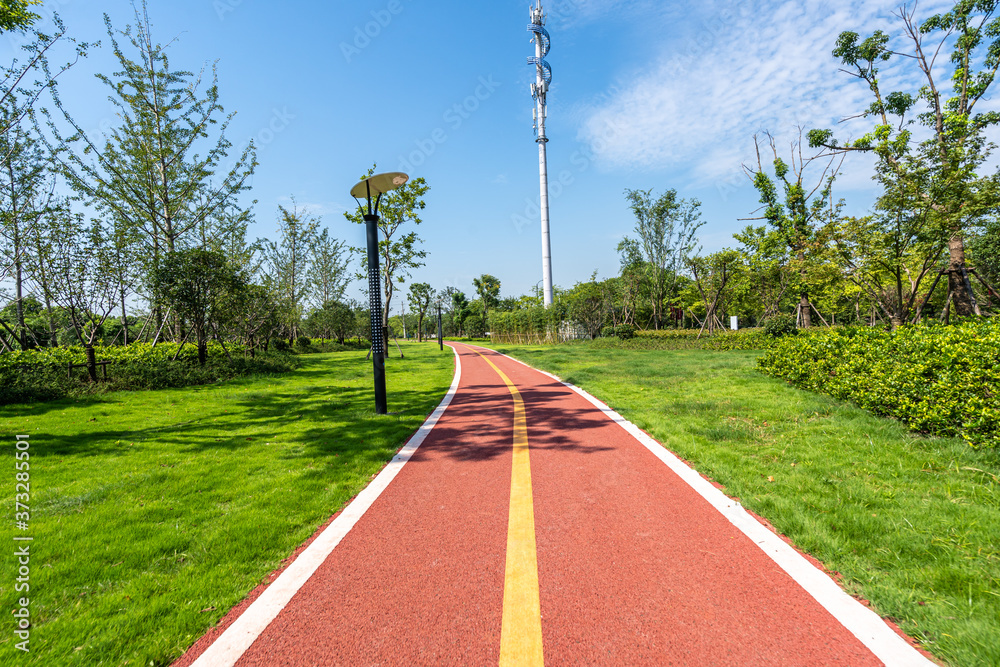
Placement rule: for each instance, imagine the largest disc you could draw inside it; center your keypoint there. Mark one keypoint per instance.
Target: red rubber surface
(635, 568)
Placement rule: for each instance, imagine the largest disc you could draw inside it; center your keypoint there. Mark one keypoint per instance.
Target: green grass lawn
(155, 512)
(911, 523)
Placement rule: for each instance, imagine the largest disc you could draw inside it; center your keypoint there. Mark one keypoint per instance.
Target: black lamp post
(440, 337)
(376, 186)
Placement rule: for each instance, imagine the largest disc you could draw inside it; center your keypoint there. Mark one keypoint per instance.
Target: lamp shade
(379, 184)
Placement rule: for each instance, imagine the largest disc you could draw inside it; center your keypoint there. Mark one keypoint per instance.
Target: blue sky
(645, 94)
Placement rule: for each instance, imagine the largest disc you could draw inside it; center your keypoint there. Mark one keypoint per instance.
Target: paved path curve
(530, 523)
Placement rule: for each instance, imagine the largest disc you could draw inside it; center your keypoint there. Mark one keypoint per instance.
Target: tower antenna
(539, 90)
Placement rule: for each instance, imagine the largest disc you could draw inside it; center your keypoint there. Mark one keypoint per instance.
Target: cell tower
(539, 89)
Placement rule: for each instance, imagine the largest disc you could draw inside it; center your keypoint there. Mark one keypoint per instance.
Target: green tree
(197, 284)
(399, 250)
(26, 195)
(149, 172)
(713, 277)
(767, 279)
(334, 320)
(939, 174)
(488, 289)
(586, 305)
(15, 16)
(420, 300)
(797, 212)
(288, 263)
(666, 228)
(81, 282)
(329, 271)
(459, 309)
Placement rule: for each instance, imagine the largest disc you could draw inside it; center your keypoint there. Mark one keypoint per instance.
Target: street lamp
(440, 337)
(376, 186)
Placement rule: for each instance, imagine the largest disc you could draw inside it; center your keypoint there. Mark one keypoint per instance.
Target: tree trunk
(805, 309)
(202, 352)
(124, 320)
(956, 282)
(22, 337)
(91, 363)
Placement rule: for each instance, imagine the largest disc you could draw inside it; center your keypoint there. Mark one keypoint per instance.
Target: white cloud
(754, 65)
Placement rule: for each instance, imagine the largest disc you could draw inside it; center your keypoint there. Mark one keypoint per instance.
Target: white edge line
(238, 637)
(859, 620)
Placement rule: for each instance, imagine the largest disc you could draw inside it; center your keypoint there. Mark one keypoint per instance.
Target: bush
(303, 342)
(625, 331)
(281, 345)
(687, 339)
(42, 374)
(780, 325)
(935, 378)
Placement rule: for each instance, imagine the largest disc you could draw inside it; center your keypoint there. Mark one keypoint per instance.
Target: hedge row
(43, 374)
(935, 378)
(687, 339)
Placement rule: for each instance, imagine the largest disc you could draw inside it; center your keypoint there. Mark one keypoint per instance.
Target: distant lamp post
(371, 189)
(440, 337)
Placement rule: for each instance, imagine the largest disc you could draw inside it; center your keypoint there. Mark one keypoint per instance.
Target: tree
(420, 300)
(23, 82)
(288, 261)
(712, 276)
(459, 309)
(328, 273)
(80, 281)
(399, 250)
(797, 212)
(14, 14)
(940, 172)
(334, 320)
(764, 252)
(150, 173)
(586, 305)
(196, 284)
(666, 228)
(488, 289)
(26, 194)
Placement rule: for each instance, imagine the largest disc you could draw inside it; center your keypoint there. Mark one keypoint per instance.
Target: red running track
(635, 567)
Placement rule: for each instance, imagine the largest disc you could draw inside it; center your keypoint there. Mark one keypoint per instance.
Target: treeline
(139, 234)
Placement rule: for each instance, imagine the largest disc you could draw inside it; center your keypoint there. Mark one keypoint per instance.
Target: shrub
(935, 378)
(42, 374)
(625, 331)
(303, 342)
(780, 325)
(281, 345)
(687, 339)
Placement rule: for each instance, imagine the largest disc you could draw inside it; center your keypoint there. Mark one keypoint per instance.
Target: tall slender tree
(488, 289)
(667, 228)
(26, 194)
(159, 170)
(420, 300)
(288, 261)
(330, 271)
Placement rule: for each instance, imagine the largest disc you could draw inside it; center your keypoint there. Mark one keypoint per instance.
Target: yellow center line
(521, 630)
